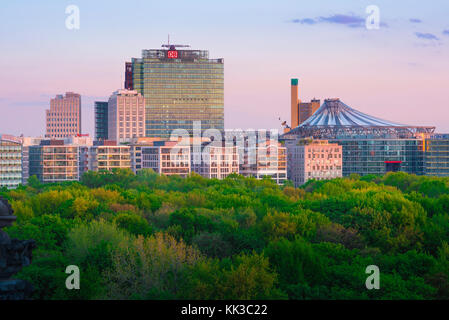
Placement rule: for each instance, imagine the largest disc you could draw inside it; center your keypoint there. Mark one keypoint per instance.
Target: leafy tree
(296, 263)
(150, 236)
(147, 266)
(134, 224)
(212, 244)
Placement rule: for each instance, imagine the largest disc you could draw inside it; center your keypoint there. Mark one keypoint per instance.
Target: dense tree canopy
(148, 236)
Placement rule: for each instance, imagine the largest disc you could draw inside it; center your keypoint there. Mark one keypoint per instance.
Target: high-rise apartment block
(179, 87)
(126, 116)
(101, 120)
(64, 116)
(313, 159)
(10, 161)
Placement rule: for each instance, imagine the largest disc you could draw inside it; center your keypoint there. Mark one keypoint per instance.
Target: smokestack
(294, 103)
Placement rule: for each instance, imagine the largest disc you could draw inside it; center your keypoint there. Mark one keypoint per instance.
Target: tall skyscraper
(64, 117)
(179, 87)
(126, 116)
(101, 120)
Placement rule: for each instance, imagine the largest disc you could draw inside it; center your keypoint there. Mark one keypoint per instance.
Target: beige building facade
(126, 116)
(63, 119)
(107, 155)
(313, 159)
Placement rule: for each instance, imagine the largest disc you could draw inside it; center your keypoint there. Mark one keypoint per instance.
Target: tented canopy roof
(333, 112)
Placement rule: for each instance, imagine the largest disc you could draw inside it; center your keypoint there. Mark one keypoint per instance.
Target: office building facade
(10, 161)
(54, 161)
(313, 159)
(126, 116)
(378, 156)
(63, 119)
(436, 162)
(26, 143)
(307, 109)
(179, 87)
(106, 155)
(166, 157)
(264, 159)
(101, 120)
(215, 161)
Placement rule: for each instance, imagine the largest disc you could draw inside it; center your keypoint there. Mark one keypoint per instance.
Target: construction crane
(285, 125)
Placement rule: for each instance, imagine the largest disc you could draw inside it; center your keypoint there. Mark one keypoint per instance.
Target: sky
(399, 72)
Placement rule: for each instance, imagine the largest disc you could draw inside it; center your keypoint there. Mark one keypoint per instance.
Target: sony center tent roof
(335, 118)
(333, 112)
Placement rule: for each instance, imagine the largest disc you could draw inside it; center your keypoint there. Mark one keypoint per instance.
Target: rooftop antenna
(173, 46)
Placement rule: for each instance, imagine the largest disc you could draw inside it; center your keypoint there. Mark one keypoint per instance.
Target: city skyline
(395, 72)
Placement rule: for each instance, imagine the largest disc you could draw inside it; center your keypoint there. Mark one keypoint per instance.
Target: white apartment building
(216, 161)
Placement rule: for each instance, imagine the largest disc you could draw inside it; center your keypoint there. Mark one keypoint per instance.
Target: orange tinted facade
(294, 103)
(307, 109)
(300, 111)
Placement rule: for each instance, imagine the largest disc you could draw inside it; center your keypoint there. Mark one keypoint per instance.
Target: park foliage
(148, 236)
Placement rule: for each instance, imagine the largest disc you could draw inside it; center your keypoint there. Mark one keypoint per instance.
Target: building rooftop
(10, 138)
(334, 118)
(333, 112)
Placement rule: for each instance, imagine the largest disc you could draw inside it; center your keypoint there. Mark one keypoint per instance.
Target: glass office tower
(179, 87)
(101, 120)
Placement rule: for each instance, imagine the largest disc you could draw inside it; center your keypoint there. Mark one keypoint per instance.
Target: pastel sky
(399, 72)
